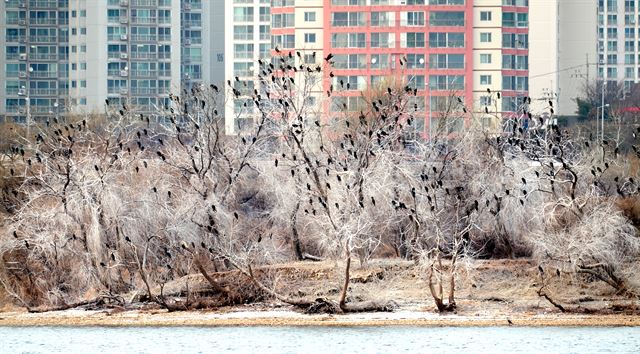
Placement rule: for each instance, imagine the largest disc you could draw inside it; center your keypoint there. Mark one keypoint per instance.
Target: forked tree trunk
(437, 291)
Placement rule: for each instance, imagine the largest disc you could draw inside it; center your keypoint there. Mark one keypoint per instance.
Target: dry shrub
(601, 242)
(630, 207)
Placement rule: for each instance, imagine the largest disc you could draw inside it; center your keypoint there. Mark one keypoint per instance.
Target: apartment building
(618, 41)
(68, 56)
(563, 52)
(446, 49)
(501, 57)
(247, 32)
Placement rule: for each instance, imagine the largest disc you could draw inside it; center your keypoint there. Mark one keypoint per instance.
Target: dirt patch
(487, 293)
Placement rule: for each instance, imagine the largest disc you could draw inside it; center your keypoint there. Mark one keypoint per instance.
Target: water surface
(266, 340)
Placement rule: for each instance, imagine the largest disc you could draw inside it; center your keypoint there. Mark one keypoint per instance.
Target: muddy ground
(494, 292)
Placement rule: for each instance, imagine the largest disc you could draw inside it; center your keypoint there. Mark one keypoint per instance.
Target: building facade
(448, 50)
(247, 32)
(563, 52)
(68, 56)
(618, 41)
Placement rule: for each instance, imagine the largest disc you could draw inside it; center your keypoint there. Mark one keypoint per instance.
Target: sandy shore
(251, 317)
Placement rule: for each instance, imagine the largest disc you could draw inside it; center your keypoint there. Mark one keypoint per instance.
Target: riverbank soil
(488, 292)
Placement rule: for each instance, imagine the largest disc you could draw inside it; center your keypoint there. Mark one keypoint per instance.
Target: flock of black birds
(381, 126)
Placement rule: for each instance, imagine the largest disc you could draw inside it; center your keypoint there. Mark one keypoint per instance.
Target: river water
(266, 340)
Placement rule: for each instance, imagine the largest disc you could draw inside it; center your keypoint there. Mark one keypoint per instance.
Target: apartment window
(446, 40)
(415, 61)
(350, 83)
(446, 18)
(348, 19)
(446, 82)
(629, 59)
(265, 14)
(415, 18)
(515, 62)
(309, 59)
(309, 37)
(283, 20)
(382, 40)
(485, 58)
(485, 100)
(350, 61)
(243, 32)
(446, 61)
(416, 81)
(243, 14)
(310, 16)
(413, 39)
(348, 40)
(382, 19)
(516, 83)
(485, 79)
(485, 37)
(628, 73)
(485, 15)
(379, 61)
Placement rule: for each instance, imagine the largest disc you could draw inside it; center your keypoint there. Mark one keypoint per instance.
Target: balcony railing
(16, 38)
(192, 23)
(143, 55)
(144, 91)
(15, 21)
(43, 4)
(43, 92)
(194, 75)
(143, 37)
(144, 3)
(43, 39)
(117, 90)
(43, 74)
(42, 21)
(40, 109)
(143, 73)
(144, 20)
(43, 56)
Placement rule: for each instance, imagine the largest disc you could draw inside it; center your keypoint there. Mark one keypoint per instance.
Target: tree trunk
(214, 284)
(294, 231)
(345, 286)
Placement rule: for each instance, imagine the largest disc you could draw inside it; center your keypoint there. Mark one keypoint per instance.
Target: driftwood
(555, 304)
(310, 257)
(95, 302)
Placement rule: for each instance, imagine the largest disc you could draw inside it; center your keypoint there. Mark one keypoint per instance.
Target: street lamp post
(55, 105)
(600, 121)
(602, 114)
